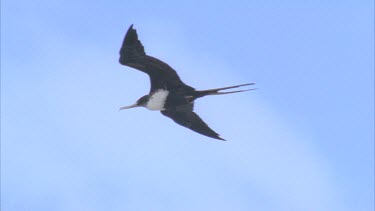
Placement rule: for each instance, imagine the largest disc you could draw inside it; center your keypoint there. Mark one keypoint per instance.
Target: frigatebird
(168, 93)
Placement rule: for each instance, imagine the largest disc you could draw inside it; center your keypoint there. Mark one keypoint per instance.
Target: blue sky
(303, 141)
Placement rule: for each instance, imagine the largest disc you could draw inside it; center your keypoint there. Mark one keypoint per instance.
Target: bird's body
(157, 99)
(168, 93)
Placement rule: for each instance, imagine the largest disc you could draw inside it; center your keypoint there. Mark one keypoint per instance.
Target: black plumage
(179, 97)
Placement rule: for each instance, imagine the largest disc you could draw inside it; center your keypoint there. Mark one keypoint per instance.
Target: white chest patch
(157, 100)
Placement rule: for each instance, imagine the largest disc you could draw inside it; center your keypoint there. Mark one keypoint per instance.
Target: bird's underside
(179, 104)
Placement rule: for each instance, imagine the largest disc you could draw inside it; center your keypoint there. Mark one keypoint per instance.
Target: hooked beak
(131, 106)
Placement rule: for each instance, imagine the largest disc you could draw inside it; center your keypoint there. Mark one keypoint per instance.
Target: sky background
(303, 141)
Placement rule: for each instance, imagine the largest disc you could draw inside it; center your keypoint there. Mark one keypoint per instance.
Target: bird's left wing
(192, 121)
(161, 75)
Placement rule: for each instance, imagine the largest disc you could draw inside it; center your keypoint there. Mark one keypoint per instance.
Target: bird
(168, 93)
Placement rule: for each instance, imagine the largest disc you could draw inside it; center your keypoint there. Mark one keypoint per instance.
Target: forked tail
(203, 93)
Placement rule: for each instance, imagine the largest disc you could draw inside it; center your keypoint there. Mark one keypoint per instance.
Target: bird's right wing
(192, 121)
(161, 75)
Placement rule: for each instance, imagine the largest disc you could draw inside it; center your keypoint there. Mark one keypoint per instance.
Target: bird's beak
(131, 106)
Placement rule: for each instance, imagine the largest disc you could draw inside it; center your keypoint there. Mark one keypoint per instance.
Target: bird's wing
(192, 121)
(161, 75)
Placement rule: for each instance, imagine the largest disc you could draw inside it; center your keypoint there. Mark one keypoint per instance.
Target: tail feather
(216, 91)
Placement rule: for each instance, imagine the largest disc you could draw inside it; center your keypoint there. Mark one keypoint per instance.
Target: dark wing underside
(161, 75)
(192, 121)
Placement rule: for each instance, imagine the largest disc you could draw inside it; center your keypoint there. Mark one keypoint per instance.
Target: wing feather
(191, 120)
(162, 76)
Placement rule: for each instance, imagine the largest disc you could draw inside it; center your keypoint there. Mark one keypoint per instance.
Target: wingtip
(131, 28)
(219, 138)
(131, 37)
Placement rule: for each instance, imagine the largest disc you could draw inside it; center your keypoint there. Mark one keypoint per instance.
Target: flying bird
(168, 93)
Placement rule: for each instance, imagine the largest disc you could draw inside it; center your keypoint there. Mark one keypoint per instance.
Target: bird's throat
(157, 100)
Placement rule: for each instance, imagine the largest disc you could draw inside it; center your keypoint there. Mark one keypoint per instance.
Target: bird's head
(141, 102)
